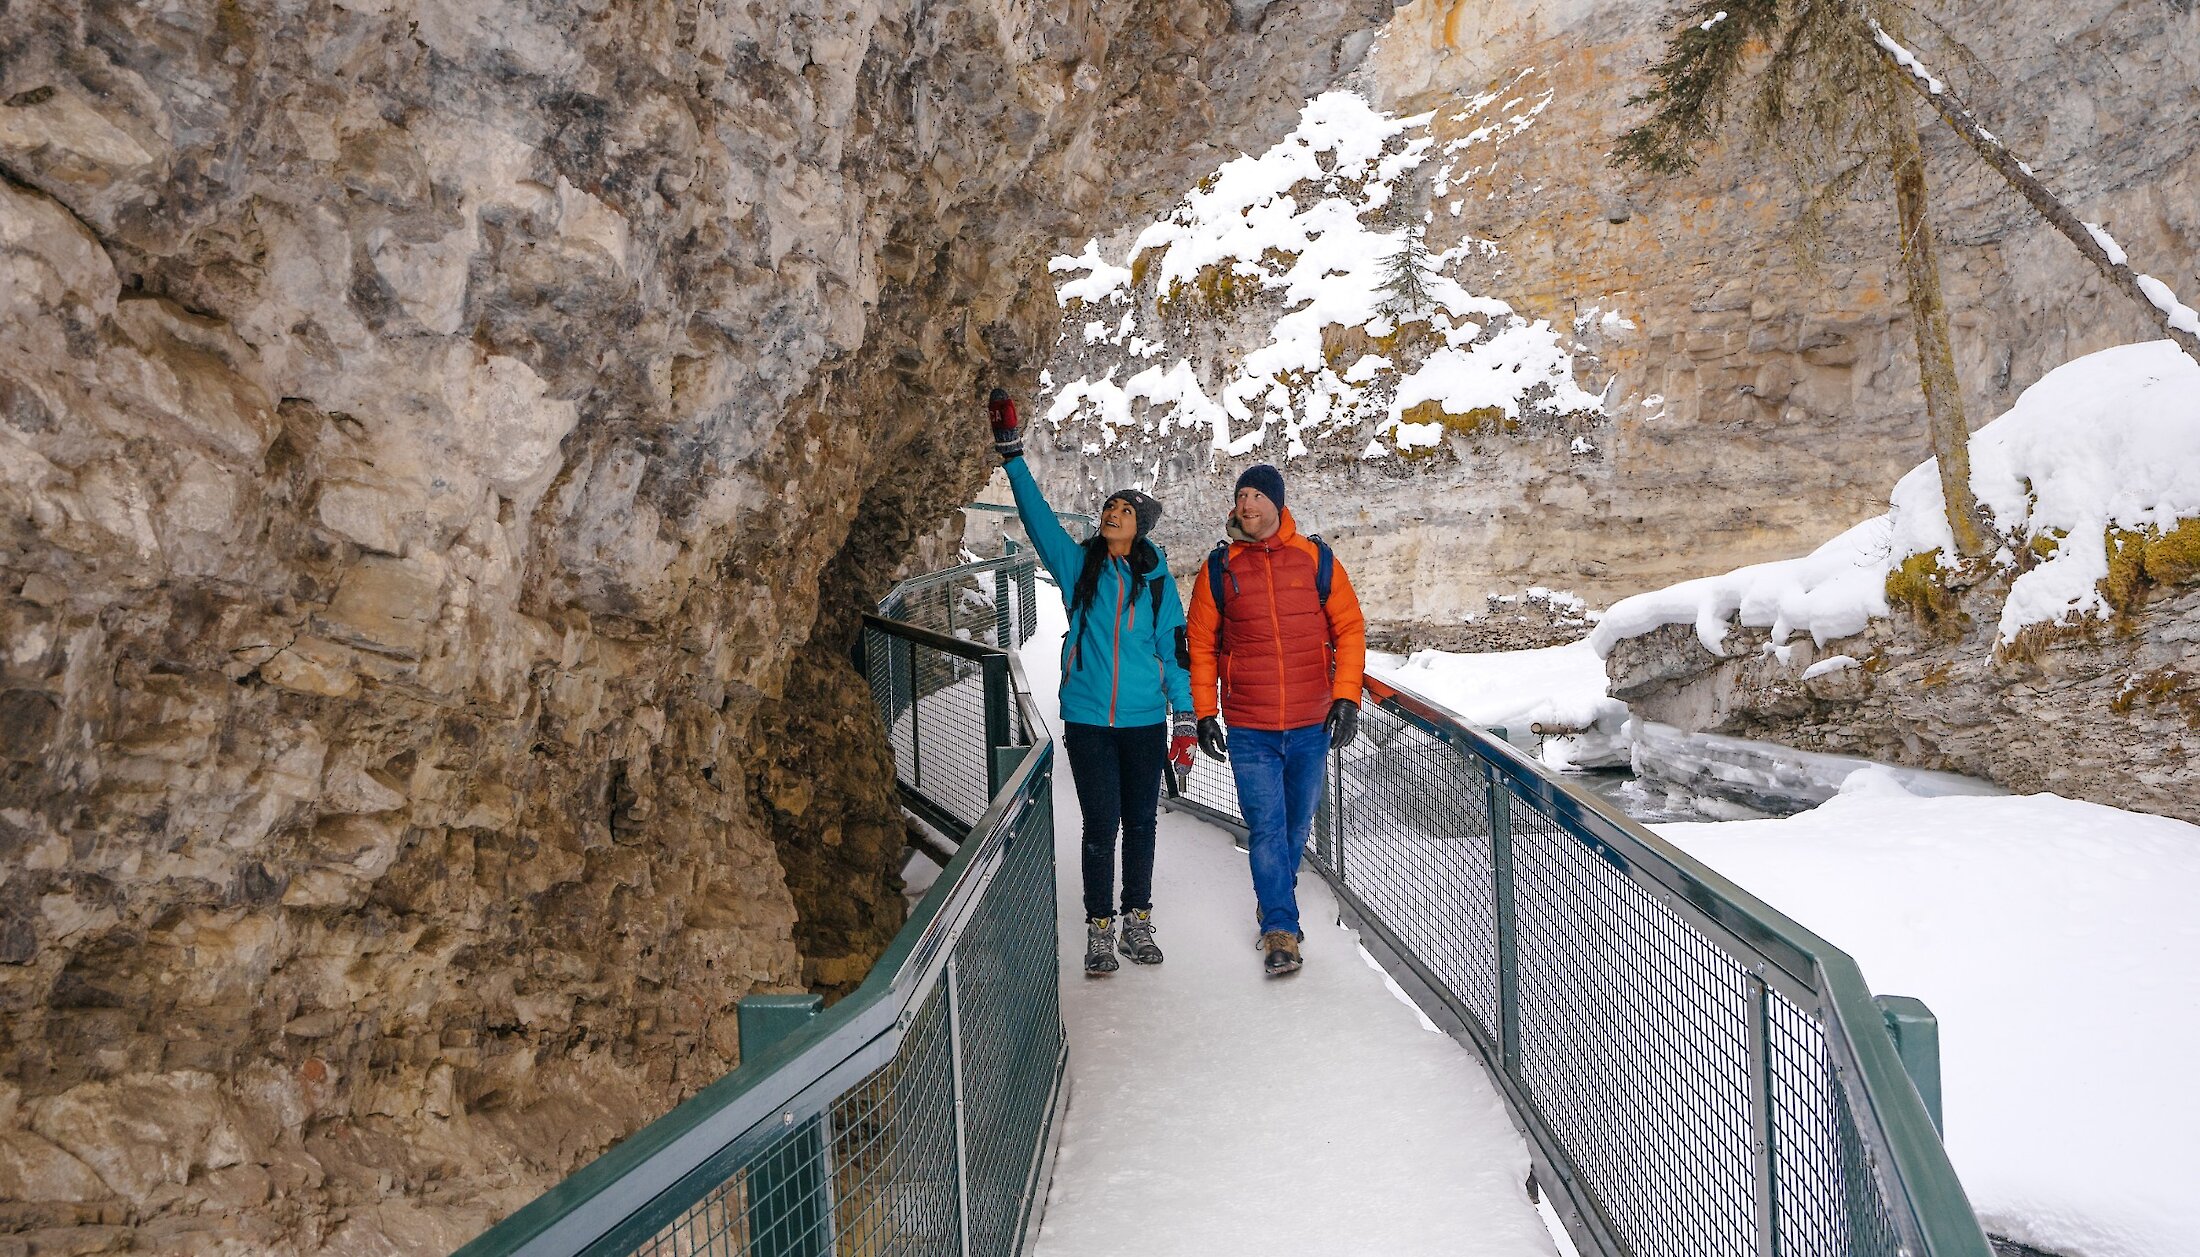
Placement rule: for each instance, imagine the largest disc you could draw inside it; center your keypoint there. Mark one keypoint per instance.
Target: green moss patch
(1918, 586)
(2141, 561)
(1142, 265)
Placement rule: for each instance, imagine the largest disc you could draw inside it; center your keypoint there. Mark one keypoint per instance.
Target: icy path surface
(1214, 1110)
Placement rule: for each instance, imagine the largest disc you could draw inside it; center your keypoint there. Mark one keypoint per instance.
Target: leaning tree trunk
(1936, 360)
(2180, 323)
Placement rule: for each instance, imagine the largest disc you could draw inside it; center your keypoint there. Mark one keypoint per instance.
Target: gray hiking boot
(1100, 946)
(1282, 947)
(1138, 941)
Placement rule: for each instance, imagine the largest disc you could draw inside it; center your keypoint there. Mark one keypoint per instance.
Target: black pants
(1118, 776)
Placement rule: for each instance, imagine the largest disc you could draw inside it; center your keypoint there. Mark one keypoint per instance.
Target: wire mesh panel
(1412, 840)
(889, 667)
(935, 1151)
(1213, 787)
(894, 1167)
(1634, 1043)
(1828, 1202)
(1011, 1034)
(938, 736)
(874, 1174)
(973, 602)
(1027, 601)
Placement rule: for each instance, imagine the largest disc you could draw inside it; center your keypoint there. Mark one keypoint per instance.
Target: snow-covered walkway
(1216, 1111)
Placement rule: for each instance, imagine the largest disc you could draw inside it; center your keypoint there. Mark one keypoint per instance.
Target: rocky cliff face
(2106, 709)
(1751, 406)
(444, 451)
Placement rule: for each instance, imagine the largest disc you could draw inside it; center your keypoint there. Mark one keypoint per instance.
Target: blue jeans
(1279, 783)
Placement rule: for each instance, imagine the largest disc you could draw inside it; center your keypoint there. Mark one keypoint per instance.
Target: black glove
(1343, 723)
(1211, 740)
(1008, 432)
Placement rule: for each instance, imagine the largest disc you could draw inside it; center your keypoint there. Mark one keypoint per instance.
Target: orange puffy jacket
(1281, 655)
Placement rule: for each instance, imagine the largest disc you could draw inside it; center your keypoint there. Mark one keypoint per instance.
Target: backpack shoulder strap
(1325, 568)
(1218, 568)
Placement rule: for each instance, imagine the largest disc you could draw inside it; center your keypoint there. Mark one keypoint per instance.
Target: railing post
(1916, 1034)
(1329, 816)
(1004, 610)
(1027, 588)
(786, 1190)
(1499, 800)
(953, 978)
(995, 669)
(1764, 1174)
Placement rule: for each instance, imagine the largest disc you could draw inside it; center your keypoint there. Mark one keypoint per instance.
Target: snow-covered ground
(1214, 1110)
(2058, 944)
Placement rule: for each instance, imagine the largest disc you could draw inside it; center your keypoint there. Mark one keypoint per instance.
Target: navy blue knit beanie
(1264, 478)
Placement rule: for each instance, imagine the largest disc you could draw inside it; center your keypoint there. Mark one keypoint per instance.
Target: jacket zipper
(1275, 623)
(1115, 682)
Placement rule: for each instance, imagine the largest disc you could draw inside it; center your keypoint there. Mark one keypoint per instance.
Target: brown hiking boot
(1282, 947)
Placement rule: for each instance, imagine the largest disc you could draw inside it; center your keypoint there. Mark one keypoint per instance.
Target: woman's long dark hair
(1143, 559)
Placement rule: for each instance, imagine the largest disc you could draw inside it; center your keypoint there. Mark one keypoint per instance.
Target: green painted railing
(1697, 1074)
(917, 1115)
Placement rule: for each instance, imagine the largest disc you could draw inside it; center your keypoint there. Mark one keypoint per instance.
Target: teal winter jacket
(1120, 660)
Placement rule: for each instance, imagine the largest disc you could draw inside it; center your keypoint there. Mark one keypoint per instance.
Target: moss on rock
(2141, 560)
(1916, 585)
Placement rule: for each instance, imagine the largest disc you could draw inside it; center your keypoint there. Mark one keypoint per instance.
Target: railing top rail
(1923, 1176)
(602, 1198)
(933, 639)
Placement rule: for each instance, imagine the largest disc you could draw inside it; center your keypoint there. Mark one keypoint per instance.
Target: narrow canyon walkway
(1216, 1111)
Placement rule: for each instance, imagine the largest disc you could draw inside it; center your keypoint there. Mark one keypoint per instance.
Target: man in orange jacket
(1288, 655)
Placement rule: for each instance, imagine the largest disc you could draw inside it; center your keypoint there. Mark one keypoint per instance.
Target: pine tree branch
(2161, 305)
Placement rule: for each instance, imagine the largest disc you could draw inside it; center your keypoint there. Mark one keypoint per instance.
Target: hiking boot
(1100, 946)
(1282, 947)
(1138, 937)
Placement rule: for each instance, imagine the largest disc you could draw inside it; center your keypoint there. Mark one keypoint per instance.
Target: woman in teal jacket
(1124, 668)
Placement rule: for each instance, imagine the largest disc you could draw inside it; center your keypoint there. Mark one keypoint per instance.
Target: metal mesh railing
(987, 602)
(1698, 1075)
(946, 706)
(914, 1117)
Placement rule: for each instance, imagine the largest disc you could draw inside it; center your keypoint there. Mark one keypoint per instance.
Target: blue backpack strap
(1218, 568)
(1325, 568)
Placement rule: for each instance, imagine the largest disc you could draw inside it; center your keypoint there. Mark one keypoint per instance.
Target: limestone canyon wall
(444, 450)
(1752, 406)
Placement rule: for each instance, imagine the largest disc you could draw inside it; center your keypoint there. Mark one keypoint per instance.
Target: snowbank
(2056, 941)
(2107, 441)
(1559, 688)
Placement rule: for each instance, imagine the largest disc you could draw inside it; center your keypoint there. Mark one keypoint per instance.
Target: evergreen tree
(1832, 84)
(1406, 272)
(1825, 95)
